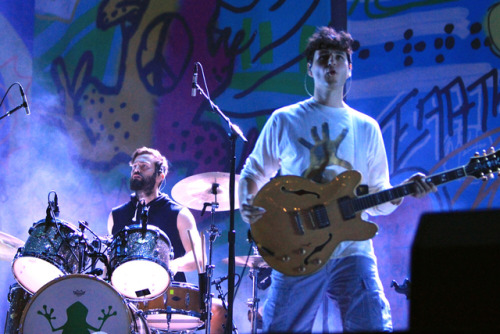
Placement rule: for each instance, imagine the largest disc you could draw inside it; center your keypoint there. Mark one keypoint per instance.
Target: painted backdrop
(104, 77)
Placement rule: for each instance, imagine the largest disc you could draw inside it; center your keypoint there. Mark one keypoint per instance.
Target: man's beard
(145, 184)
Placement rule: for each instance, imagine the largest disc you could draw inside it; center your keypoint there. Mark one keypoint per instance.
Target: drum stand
(206, 278)
(253, 302)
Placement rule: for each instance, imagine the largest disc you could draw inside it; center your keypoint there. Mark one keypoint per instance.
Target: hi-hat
(8, 246)
(194, 191)
(252, 261)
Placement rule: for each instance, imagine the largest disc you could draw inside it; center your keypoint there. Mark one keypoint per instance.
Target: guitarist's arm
(422, 188)
(246, 192)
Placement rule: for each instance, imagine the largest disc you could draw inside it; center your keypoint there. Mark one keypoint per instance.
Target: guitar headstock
(484, 166)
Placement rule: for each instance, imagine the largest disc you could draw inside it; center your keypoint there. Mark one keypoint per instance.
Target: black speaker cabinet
(455, 279)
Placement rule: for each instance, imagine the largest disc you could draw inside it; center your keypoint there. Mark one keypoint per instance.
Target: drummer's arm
(185, 222)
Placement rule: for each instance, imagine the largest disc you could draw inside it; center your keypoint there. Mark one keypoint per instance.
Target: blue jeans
(353, 282)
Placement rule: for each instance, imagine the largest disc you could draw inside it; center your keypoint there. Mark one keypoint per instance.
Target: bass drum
(80, 304)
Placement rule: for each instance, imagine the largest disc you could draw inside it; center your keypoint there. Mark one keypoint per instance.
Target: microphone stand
(234, 133)
(22, 105)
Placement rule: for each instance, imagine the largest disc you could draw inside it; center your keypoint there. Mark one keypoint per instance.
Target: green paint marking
(246, 57)
(266, 38)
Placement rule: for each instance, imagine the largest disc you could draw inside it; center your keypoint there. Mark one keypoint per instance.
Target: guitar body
(303, 224)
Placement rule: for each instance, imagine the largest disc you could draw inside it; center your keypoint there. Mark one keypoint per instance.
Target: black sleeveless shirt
(163, 213)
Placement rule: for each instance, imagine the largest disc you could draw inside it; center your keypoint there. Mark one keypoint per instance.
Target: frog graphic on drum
(77, 318)
(83, 304)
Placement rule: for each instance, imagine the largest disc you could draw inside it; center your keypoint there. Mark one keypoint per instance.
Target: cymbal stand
(213, 234)
(253, 302)
(82, 246)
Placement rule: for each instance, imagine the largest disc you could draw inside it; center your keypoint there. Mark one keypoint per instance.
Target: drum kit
(69, 279)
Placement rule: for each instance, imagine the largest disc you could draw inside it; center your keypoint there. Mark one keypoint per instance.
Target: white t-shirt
(285, 142)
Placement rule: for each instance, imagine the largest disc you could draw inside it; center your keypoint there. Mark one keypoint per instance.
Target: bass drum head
(78, 304)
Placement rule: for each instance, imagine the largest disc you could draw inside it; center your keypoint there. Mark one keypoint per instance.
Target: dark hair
(329, 38)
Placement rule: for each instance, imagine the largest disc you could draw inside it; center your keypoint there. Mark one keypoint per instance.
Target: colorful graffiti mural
(106, 76)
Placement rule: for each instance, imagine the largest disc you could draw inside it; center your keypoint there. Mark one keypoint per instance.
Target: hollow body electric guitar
(305, 221)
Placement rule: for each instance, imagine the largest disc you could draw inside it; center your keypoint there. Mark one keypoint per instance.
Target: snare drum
(139, 261)
(178, 309)
(47, 254)
(80, 304)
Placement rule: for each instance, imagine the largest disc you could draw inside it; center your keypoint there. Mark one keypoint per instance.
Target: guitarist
(319, 138)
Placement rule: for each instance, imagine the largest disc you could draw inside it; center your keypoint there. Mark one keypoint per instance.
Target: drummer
(149, 169)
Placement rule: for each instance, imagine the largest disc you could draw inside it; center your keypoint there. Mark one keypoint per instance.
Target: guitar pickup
(346, 208)
(320, 216)
(298, 222)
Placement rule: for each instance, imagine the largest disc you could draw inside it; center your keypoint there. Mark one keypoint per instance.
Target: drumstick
(194, 252)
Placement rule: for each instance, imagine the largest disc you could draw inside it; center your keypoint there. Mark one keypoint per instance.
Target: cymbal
(196, 190)
(254, 261)
(8, 246)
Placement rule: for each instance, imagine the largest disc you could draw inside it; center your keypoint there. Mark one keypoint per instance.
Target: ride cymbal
(252, 261)
(212, 187)
(8, 246)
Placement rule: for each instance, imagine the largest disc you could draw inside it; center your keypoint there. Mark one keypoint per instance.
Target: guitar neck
(367, 201)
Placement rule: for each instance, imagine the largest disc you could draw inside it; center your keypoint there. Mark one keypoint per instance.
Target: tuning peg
(476, 154)
(492, 149)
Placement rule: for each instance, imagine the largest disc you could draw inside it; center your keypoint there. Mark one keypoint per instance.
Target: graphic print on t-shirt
(323, 152)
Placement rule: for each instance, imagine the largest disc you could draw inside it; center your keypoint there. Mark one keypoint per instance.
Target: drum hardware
(253, 302)
(144, 217)
(217, 282)
(92, 250)
(257, 269)
(199, 192)
(261, 279)
(141, 216)
(256, 263)
(206, 278)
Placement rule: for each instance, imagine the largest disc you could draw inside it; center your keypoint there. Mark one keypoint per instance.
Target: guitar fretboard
(371, 200)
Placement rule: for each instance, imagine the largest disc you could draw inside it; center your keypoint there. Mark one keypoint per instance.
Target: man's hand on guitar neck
(422, 188)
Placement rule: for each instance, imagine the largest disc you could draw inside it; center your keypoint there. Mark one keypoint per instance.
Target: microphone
(219, 280)
(195, 81)
(25, 101)
(56, 206)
